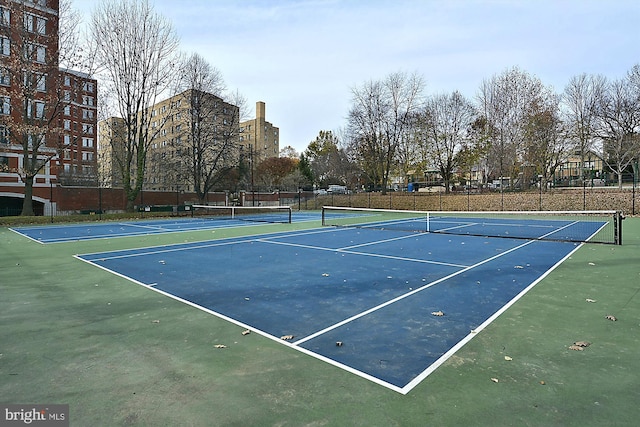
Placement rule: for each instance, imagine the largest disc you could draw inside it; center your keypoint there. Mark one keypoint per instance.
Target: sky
(303, 58)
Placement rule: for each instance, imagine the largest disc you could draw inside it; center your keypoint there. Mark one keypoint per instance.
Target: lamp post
(540, 185)
(635, 180)
(51, 197)
(177, 194)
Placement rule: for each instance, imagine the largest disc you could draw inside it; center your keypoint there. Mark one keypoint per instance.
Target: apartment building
(259, 139)
(45, 110)
(191, 131)
(77, 160)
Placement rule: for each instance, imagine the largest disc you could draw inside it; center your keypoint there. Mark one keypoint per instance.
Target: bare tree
(379, 119)
(135, 50)
(446, 121)
(546, 138)
(505, 100)
(207, 152)
(581, 102)
(634, 81)
(620, 126)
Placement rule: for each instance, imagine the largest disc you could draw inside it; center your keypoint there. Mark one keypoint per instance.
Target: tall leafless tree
(135, 52)
(620, 126)
(380, 117)
(207, 152)
(505, 100)
(546, 137)
(446, 121)
(581, 102)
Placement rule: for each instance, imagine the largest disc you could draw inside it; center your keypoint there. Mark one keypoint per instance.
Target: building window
(87, 100)
(5, 46)
(35, 109)
(87, 129)
(67, 139)
(35, 140)
(5, 77)
(87, 142)
(35, 52)
(87, 114)
(87, 156)
(35, 24)
(5, 105)
(67, 125)
(41, 82)
(37, 80)
(67, 110)
(5, 16)
(87, 87)
(4, 163)
(4, 135)
(67, 81)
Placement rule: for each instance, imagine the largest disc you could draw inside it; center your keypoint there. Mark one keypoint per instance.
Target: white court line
(377, 242)
(322, 248)
(28, 237)
(408, 294)
(134, 225)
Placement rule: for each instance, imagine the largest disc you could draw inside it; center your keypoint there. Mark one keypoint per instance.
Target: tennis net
(273, 214)
(572, 226)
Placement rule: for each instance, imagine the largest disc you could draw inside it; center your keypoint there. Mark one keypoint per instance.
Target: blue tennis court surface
(102, 230)
(373, 291)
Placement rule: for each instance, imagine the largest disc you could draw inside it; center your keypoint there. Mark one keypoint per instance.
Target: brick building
(47, 114)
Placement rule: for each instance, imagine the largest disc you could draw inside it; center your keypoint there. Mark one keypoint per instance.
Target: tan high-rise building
(190, 131)
(259, 139)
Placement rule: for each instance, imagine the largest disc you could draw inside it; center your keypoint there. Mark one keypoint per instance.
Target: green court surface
(121, 355)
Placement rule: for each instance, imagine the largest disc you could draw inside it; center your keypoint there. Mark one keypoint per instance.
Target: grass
(121, 355)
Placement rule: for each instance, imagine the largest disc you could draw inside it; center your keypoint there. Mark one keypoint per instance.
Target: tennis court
(117, 352)
(389, 306)
(222, 217)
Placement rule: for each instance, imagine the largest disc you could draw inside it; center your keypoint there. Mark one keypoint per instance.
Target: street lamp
(540, 184)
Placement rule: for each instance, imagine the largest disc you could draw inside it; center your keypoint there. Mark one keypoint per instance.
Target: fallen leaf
(220, 346)
(495, 380)
(287, 337)
(246, 332)
(437, 313)
(155, 321)
(590, 300)
(610, 317)
(508, 358)
(575, 347)
(582, 343)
